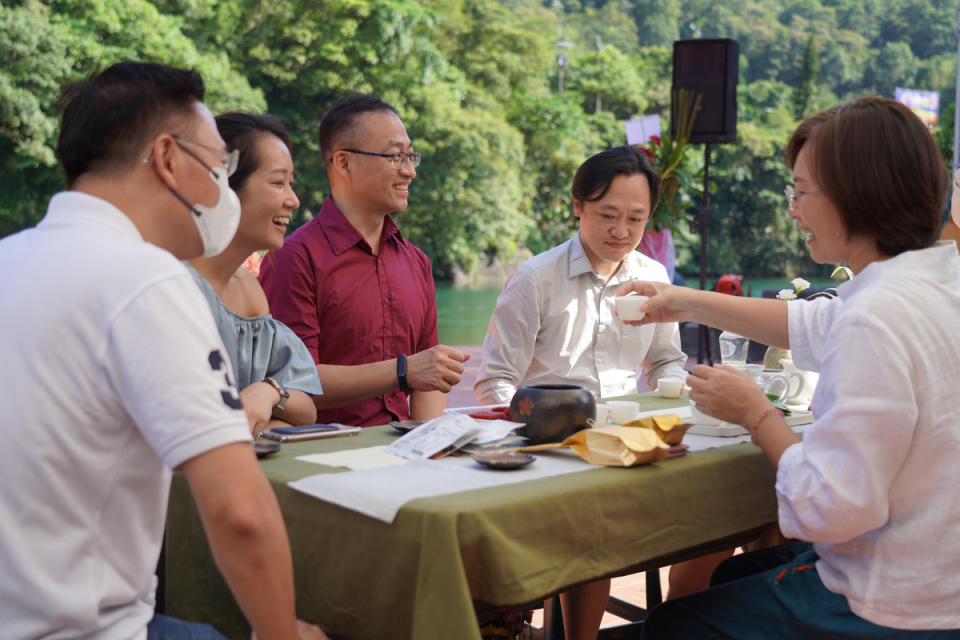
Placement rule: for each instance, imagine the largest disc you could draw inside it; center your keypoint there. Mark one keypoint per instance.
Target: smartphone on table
(309, 432)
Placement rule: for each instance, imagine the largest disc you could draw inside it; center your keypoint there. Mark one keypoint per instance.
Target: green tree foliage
(476, 84)
(750, 231)
(806, 91)
(45, 44)
(34, 58)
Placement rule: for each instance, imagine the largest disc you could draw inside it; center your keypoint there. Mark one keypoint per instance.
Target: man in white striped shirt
(555, 320)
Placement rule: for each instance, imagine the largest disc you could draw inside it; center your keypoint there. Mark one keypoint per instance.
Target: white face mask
(218, 223)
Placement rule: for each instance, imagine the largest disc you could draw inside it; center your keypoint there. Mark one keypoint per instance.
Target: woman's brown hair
(880, 167)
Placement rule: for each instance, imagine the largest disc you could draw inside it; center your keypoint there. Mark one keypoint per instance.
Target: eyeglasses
(791, 193)
(230, 159)
(397, 160)
(794, 197)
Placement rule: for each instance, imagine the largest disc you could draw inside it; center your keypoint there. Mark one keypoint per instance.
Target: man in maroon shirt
(359, 295)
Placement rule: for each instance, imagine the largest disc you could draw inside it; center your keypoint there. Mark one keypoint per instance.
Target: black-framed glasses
(397, 160)
(230, 159)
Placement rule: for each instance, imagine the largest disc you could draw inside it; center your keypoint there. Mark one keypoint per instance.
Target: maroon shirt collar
(343, 236)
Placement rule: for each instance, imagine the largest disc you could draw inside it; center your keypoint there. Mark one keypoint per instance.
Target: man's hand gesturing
(436, 369)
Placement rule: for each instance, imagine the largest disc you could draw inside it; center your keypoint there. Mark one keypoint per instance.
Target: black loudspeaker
(708, 68)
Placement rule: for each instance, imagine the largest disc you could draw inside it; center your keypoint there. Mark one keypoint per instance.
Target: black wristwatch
(284, 394)
(402, 373)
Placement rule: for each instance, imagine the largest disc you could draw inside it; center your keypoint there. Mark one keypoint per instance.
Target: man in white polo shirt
(114, 374)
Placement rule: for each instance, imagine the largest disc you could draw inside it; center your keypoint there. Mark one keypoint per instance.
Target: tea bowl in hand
(628, 307)
(670, 387)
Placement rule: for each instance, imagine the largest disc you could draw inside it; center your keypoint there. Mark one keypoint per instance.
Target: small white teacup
(623, 411)
(670, 387)
(628, 307)
(603, 415)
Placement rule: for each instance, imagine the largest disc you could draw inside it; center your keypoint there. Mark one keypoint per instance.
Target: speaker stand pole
(702, 215)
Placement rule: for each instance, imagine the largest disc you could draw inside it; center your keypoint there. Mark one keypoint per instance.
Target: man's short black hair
(594, 176)
(109, 117)
(340, 120)
(240, 131)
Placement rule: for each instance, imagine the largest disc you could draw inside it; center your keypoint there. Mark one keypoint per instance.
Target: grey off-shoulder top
(261, 346)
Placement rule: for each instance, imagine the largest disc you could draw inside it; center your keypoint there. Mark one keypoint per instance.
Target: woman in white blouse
(867, 492)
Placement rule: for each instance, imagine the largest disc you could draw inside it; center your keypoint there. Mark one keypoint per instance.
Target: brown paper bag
(613, 446)
(668, 426)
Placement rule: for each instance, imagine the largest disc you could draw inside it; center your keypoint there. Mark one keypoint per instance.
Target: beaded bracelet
(763, 416)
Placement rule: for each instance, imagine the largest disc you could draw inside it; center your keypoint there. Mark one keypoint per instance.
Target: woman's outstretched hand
(666, 303)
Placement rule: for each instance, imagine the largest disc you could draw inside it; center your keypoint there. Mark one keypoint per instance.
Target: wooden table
(426, 574)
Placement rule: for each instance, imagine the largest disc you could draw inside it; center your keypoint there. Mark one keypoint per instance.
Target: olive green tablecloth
(423, 575)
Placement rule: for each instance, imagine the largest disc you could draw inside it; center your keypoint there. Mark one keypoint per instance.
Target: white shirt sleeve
(808, 329)
(510, 342)
(665, 358)
(835, 484)
(167, 362)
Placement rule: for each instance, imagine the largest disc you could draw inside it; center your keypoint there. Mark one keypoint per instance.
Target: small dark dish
(406, 425)
(264, 449)
(503, 460)
(551, 412)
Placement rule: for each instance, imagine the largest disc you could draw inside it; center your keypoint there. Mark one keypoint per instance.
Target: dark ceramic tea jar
(552, 412)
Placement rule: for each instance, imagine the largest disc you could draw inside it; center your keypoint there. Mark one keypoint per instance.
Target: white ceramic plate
(725, 429)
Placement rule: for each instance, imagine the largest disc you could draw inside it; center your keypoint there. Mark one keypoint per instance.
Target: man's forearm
(664, 358)
(247, 536)
(259, 571)
(344, 385)
(425, 405)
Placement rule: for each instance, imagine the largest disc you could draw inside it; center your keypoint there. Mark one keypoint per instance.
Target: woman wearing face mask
(867, 492)
(275, 373)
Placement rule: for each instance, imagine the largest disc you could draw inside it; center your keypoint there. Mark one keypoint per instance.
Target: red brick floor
(631, 588)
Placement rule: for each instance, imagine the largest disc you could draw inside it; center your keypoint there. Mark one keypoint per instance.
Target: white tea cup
(623, 411)
(628, 307)
(602, 416)
(670, 387)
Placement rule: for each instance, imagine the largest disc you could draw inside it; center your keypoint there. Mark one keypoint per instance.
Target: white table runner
(380, 493)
